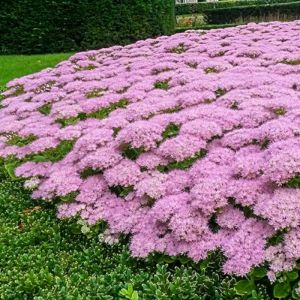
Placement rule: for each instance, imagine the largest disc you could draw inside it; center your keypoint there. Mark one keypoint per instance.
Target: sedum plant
(181, 160)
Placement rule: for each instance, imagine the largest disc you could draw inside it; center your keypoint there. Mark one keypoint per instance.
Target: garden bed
(188, 145)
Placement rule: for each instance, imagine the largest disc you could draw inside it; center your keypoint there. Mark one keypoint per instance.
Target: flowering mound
(188, 143)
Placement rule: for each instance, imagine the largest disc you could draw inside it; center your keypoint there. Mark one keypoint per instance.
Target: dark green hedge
(241, 14)
(205, 27)
(186, 9)
(47, 26)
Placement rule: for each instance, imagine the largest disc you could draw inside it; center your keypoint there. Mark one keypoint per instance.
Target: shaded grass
(14, 66)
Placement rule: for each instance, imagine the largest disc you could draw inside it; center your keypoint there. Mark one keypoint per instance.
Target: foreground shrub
(187, 144)
(43, 258)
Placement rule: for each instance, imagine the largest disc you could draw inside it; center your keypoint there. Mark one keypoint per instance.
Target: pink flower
(181, 147)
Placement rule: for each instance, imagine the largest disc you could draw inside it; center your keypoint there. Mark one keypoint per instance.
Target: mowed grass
(14, 66)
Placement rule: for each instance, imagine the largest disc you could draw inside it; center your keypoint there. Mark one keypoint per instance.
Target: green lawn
(13, 66)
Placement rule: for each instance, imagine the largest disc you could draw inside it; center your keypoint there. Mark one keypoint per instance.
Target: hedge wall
(242, 14)
(47, 26)
(192, 8)
(204, 27)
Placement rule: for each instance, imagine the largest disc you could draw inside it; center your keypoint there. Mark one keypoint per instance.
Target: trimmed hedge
(193, 8)
(238, 14)
(205, 27)
(47, 26)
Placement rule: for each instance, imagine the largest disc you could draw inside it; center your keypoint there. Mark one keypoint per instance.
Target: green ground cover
(13, 66)
(42, 257)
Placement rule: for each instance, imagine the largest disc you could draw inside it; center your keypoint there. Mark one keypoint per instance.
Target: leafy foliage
(45, 109)
(182, 165)
(294, 182)
(20, 141)
(164, 85)
(121, 191)
(171, 130)
(58, 26)
(202, 6)
(238, 13)
(45, 258)
(130, 152)
(99, 114)
(55, 154)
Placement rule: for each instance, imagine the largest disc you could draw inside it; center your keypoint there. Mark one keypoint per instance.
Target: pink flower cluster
(231, 94)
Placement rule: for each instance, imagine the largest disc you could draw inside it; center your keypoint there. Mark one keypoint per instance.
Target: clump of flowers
(185, 150)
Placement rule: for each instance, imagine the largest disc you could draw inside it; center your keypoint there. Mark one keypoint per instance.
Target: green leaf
(85, 229)
(123, 292)
(69, 197)
(182, 165)
(135, 296)
(281, 290)
(39, 158)
(295, 295)
(75, 228)
(293, 183)
(259, 272)
(220, 92)
(130, 289)
(184, 260)
(204, 264)
(21, 141)
(164, 85)
(10, 169)
(90, 172)
(121, 191)
(244, 287)
(45, 109)
(130, 152)
(167, 259)
(293, 275)
(171, 130)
